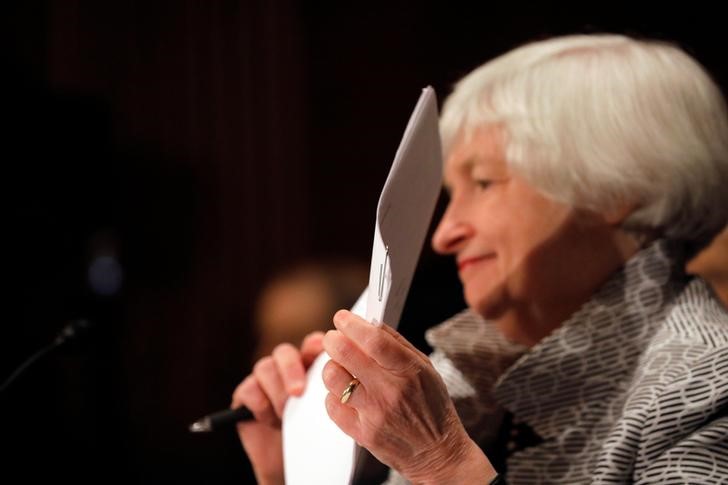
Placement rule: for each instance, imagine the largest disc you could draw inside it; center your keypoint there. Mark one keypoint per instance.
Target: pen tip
(201, 426)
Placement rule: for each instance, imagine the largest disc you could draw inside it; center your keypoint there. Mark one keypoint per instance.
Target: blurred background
(165, 161)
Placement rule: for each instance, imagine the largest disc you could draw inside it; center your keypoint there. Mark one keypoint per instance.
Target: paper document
(315, 450)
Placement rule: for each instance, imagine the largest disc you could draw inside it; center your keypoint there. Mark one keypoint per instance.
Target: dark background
(205, 145)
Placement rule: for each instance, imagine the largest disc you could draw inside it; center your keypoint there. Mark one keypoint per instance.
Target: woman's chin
(490, 306)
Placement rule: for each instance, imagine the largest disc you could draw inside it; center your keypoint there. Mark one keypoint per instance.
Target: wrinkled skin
(401, 410)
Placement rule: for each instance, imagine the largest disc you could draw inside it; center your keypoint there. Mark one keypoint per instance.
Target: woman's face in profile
(511, 243)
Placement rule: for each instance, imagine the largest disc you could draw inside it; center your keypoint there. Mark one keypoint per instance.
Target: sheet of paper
(404, 212)
(315, 450)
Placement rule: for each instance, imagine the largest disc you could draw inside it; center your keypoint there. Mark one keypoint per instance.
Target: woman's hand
(400, 411)
(265, 392)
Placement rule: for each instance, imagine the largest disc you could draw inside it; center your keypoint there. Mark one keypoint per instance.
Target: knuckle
(369, 436)
(328, 373)
(313, 341)
(240, 391)
(346, 350)
(408, 368)
(398, 398)
(311, 337)
(331, 406)
(264, 366)
(375, 344)
(254, 397)
(258, 403)
(278, 407)
(338, 345)
(284, 350)
(237, 398)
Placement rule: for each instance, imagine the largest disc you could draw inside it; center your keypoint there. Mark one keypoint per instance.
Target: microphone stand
(71, 331)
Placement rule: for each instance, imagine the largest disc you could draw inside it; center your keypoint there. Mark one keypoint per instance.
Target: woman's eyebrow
(466, 166)
(461, 168)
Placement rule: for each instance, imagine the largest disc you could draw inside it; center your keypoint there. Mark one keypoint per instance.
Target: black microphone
(74, 330)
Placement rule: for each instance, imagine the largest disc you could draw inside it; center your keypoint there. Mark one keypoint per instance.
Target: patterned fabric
(633, 388)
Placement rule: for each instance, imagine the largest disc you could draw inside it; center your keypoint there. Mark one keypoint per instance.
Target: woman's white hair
(600, 121)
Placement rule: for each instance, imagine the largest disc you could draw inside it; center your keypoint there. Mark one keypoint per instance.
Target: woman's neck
(528, 322)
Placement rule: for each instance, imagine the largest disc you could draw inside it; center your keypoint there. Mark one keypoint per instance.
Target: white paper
(404, 212)
(315, 450)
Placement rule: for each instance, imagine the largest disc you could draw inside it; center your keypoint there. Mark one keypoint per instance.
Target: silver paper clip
(382, 267)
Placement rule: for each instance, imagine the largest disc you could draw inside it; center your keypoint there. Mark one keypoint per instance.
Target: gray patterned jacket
(633, 388)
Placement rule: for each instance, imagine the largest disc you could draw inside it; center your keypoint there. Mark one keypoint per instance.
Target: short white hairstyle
(600, 121)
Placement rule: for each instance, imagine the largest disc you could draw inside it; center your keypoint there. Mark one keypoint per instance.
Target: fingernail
(297, 387)
(340, 318)
(342, 322)
(330, 340)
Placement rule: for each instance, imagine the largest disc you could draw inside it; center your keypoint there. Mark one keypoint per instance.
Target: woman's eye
(482, 184)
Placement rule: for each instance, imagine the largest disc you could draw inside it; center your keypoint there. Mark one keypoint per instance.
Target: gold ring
(349, 390)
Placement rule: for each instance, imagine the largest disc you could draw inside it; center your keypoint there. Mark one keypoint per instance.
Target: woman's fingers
(401, 410)
(345, 417)
(337, 380)
(267, 375)
(290, 368)
(276, 377)
(250, 394)
(348, 355)
(376, 343)
(403, 341)
(311, 347)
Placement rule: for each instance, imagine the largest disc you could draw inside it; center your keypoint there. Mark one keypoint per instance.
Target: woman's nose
(451, 232)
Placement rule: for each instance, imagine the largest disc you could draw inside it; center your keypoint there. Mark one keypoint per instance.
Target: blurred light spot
(105, 275)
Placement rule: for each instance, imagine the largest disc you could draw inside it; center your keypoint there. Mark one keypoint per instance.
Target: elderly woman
(582, 172)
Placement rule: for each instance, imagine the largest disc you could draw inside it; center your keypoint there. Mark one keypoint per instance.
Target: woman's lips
(467, 262)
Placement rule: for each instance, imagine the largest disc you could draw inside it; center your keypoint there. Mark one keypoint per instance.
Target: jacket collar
(593, 353)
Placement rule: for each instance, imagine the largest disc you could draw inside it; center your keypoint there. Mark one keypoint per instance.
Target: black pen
(221, 419)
